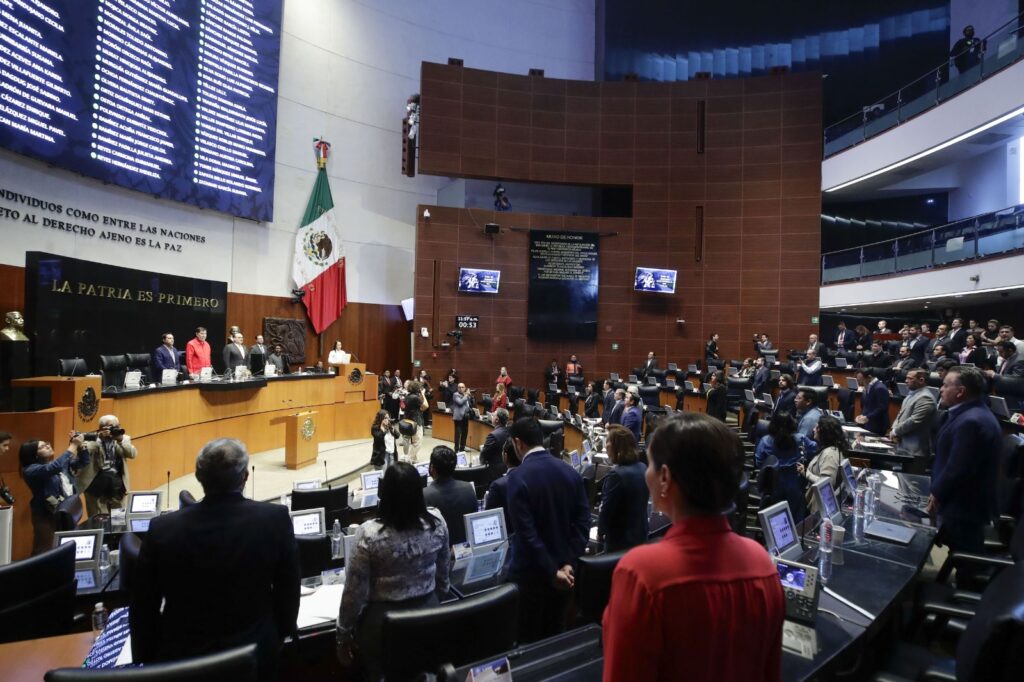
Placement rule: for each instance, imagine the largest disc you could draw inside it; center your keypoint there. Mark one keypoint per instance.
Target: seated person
(51, 482)
(703, 603)
(747, 370)
(500, 398)
(454, 499)
(623, 520)
(400, 561)
(497, 493)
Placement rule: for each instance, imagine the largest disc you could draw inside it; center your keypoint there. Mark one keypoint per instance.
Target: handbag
(407, 428)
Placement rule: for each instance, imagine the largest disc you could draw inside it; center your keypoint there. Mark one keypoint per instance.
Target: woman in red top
(503, 378)
(704, 603)
(500, 398)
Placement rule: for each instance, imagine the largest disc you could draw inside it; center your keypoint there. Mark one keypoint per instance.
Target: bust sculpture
(14, 324)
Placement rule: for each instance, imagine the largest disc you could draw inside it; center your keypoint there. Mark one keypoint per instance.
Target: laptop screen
(86, 579)
(370, 480)
(460, 460)
(689, 385)
(144, 503)
(85, 546)
(486, 527)
(308, 522)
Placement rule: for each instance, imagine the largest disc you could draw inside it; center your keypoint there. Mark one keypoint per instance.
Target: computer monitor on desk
(780, 533)
(828, 505)
(370, 480)
(485, 530)
(87, 545)
(146, 502)
(309, 522)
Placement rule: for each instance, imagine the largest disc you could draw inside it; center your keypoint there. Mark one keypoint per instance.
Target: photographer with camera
(411, 426)
(105, 476)
(385, 434)
(51, 482)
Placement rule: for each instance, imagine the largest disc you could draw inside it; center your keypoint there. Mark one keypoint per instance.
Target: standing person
(50, 480)
(415, 406)
(807, 412)
(503, 378)
(384, 433)
(809, 370)
(197, 353)
(258, 348)
(964, 476)
(592, 402)
(711, 351)
(189, 558)
(460, 416)
(104, 478)
(615, 416)
(573, 368)
(632, 415)
(553, 374)
(828, 434)
(608, 401)
(704, 603)
(165, 356)
(497, 494)
(717, 396)
(650, 365)
(235, 354)
(912, 430)
(454, 499)
(490, 453)
(874, 403)
(400, 562)
(338, 356)
(279, 360)
(550, 524)
(500, 398)
(862, 338)
(623, 521)
(972, 352)
(966, 52)
(788, 446)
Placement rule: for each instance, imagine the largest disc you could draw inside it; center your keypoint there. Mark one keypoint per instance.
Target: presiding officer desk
(169, 424)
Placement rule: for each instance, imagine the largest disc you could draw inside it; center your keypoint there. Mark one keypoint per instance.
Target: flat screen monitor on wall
(477, 281)
(177, 100)
(655, 280)
(563, 289)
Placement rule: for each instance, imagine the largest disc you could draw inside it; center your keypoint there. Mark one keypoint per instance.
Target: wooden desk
(444, 429)
(28, 661)
(82, 394)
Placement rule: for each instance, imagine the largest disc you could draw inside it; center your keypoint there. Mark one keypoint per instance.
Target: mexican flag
(319, 265)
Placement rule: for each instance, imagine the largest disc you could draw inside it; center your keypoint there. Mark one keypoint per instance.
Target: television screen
(177, 100)
(655, 280)
(476, 281)
(563, 289)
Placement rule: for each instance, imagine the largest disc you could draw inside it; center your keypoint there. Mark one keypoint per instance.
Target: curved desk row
(169, 425)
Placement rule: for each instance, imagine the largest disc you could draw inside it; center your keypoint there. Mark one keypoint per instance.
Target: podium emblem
(308, 429)
(355, 376)
(88, 405)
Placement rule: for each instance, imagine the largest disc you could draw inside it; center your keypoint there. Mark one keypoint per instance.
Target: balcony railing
(971, 239)
(998, 50)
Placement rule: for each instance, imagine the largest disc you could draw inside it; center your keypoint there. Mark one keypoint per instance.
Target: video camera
(115, 432)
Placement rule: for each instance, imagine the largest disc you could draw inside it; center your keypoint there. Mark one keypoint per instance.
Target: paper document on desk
(855, 429)
(593, 533)
(320, 607)
(890, 480)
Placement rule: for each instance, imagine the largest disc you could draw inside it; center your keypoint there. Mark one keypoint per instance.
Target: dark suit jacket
(786, 402)
(165, 359)
(490, 453)
(849, 340)
(590, 407)
(454, 499)
(717, 402)
(875, 406)
(227, 570)
(233, 358)
(648, 368)
(616, 416)
(918, 347)
(956, 340)
(966, 464)
(632, 419)
(609, 406)
(623, 517)
(550, 516)
(1012, 366)
(881, 361)
(497, 498)
(905, 365)
(760, 383)
(819, 349)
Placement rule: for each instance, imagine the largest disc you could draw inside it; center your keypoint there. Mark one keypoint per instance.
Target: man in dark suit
(874, 403)
(964, 475)
(226, 571)
(454, 499)
(552, 375)
(550, 524)
(166, 356)
(615, 417)
(940, 339)
(1012, 364)
(609, 401)
(633, 416)
(877, 358)
(235, 354)
(905, 362)
(916, 344)
(787, 395)
(956, 339)
(490, 453)
(497, 493)
(650, 365)
(761, 376)
(845, 339)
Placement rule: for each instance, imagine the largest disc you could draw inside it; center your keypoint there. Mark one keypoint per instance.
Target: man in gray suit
(912, 429)
(235, 353)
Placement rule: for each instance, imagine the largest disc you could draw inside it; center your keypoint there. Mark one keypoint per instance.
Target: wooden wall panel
(755, 176)
(12, 289)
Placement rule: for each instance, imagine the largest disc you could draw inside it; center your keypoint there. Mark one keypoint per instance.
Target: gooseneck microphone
(253, 495)
(326, 478)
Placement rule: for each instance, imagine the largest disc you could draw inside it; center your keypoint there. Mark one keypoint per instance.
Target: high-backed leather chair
(820, 396)
(517, 408)
(315, 555)
(650, 396)
(186, 499)
(113, 368)
(128, 558)
(479, 476)
(141, 362)
(459, 632)
(594, 585)
(72, 367)
(69, 513)
(37, 595)
(238, 665)
(333, 500)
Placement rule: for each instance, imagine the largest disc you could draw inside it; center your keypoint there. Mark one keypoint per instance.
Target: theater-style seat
(594, 585)
(333, 500)
(37, 595)
(237, 665)
(422, 640)
(315, 555)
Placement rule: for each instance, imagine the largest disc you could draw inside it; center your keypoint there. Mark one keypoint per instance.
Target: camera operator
(415, 404)
(51, 482)
(105, 477)
(385, 434)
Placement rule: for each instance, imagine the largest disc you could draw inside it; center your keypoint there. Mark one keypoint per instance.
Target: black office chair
(594, 585)
(113, 368)
(738, 515)
(186, 499)
(333, 500)
(141, 362)
(990, 648)
(480, 476)
(457, 633)
(128, 558)
(517, 408)
(514, 393)
(37, 595)
(72, 367)
(238, 665)
(69, 513)
(526, 410)
(650, 396)
(315, 555)
(532, 396)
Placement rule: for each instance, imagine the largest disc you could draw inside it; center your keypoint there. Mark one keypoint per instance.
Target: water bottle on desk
(99, 618)
(336, 539)
(869, 503)
(859, 503)
(104, 558)
(825, 536)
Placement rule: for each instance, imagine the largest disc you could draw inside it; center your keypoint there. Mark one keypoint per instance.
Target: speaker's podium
(301, 443)
(351, 385)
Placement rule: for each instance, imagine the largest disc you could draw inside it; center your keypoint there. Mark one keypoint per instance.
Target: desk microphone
(167, 502)
(254, 481)
(326, 478)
